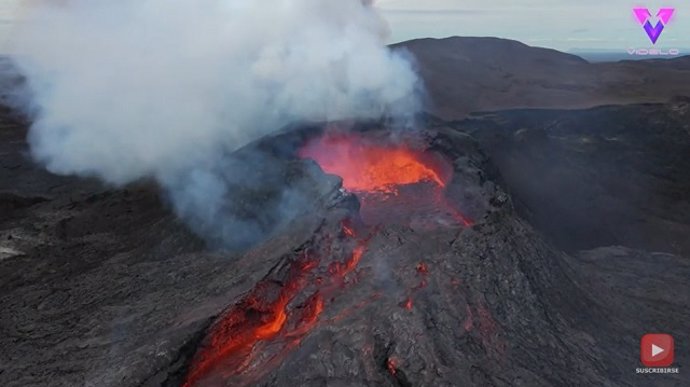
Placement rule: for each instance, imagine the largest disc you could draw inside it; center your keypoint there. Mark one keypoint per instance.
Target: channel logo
(656, 350)
(643, 16)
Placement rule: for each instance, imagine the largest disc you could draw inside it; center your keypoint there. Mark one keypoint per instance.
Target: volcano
(523, 247)
(396, 183)
(426, 276)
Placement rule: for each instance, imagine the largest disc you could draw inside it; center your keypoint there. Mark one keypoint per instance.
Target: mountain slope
(465, 74)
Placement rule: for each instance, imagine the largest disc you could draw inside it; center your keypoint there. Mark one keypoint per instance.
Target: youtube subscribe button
(656, 350)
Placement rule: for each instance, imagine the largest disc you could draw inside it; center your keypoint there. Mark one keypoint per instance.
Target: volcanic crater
(385, 181)
(416, 272)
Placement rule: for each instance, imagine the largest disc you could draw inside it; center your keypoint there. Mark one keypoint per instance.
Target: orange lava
(266, 312)
(392, 365)
(396, 183)
(368, 167)
(408, 303)
(252, 320)
(273, 318)
(347, 229)
(312, 311)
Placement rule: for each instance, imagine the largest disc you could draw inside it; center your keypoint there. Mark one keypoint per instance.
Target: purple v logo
(653, 32)
(643, 15)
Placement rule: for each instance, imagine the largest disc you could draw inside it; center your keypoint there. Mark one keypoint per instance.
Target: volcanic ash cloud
(134, 89)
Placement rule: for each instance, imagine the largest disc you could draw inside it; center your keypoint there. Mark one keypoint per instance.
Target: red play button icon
(656, 350)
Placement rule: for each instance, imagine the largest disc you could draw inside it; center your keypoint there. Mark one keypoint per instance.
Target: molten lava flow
(347, 228)
(408, 303)
(395, 182)
(272, 319)
(267, 312)
(392, 365)
(343, 269)
(310, 315)
(253, 319)
(422, 270)
(368, 167)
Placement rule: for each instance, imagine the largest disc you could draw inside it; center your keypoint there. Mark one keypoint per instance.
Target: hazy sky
(8, 15)
(561, 24)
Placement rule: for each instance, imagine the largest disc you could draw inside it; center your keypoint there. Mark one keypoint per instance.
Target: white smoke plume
(133, 89)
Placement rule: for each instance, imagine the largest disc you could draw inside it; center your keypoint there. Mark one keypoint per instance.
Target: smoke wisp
(162, 89)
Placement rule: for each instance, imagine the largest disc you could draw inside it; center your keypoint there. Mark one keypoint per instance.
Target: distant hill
(469, 74)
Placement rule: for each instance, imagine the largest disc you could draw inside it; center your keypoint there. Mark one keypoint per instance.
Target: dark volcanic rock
(102, 286)
(616, 175)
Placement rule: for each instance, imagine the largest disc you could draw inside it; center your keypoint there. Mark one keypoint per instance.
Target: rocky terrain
(464, 75)
(575, 249)
(612, 175)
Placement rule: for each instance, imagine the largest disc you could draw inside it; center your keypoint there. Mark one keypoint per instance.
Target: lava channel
(237, 345)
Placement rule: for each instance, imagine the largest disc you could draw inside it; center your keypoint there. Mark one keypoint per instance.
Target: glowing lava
(255, 334)
(408, 303)
(392, 365)
(269, 312)
(394, 181)
(368, 167)
(252, 320)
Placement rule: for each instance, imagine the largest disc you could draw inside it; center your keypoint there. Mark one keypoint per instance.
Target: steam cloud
(133, 89)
